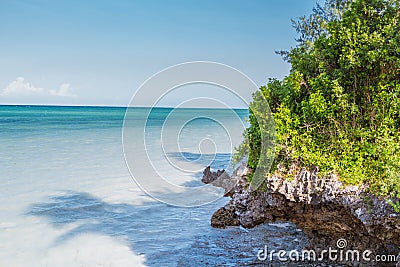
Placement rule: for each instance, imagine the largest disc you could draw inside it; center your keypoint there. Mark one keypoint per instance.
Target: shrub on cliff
(339, 108)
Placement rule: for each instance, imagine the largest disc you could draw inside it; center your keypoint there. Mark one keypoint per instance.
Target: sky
(98, 52)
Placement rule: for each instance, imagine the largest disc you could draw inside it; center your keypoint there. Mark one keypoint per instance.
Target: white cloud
(20, 87)
(64, 90)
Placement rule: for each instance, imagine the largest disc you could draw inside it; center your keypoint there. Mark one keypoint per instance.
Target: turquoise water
(67, 198)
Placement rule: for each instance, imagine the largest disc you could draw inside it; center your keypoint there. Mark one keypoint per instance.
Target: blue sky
(98, 52)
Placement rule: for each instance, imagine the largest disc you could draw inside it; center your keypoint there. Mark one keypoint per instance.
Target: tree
(339, 108)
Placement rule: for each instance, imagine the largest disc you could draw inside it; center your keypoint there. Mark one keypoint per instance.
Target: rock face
(325, 209)
(224, 217)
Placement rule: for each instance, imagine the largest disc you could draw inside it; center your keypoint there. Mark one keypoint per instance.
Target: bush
(339, 108)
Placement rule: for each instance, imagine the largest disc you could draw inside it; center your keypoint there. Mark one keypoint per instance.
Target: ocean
(67, 197)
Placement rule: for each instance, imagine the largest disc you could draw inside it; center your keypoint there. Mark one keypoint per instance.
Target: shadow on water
(166, 235)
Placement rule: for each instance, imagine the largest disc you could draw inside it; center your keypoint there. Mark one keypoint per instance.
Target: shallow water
(67, 198)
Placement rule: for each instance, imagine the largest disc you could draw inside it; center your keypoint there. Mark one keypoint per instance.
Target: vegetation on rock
(339, 108)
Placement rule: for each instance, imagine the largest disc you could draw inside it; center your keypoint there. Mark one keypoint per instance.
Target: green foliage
(339, 108)
(254, 138)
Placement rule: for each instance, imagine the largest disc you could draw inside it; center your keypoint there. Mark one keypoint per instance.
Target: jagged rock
(324, 208)
(219, 179)
(224, 217)
(209, 177)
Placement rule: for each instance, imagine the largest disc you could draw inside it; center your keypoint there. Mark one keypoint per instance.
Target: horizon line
(109, 106)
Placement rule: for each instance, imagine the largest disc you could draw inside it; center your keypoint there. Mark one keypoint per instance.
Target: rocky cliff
(325, 209)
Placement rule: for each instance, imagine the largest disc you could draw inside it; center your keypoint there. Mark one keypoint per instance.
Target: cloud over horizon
(20, 87)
